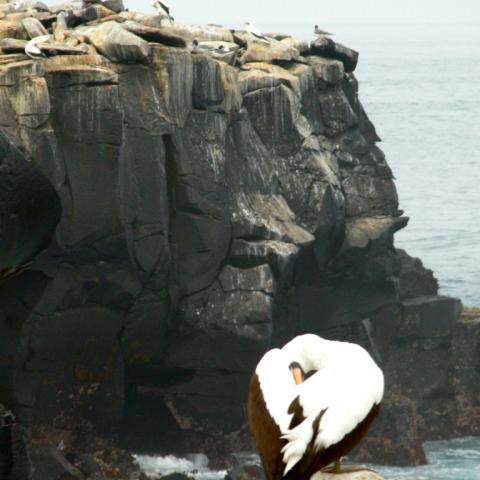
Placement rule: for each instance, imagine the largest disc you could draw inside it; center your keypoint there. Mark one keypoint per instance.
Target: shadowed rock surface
(209, 211)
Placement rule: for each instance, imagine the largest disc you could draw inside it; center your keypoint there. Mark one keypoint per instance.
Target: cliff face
(209, 211)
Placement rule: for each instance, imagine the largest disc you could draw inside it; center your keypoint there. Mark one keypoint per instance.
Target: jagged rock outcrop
(209, 211)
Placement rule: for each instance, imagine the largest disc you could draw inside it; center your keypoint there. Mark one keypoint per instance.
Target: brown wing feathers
(265, 431)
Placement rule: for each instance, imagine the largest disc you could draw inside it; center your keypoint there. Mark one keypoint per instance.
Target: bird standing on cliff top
(32, 49)
(310, 403)
(319, 31)
(163, 9)
(255, 32)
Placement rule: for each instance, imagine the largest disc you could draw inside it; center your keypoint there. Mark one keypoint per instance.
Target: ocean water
(419, 85)
(448, 460)
(457, 459)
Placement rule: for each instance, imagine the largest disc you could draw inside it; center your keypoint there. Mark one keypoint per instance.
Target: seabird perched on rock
(32, 49)
(163, 9)
(255, 32)
(319, 31)
(310, 403)
(224, 51)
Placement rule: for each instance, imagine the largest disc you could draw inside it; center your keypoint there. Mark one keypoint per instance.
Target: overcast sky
(318, 11)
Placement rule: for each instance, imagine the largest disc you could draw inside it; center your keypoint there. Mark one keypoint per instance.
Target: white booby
(310, 403)
(319, 31)
(32, 49)
(163, 8)
(255, 32)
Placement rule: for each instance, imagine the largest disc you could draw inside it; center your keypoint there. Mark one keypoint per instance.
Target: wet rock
(395, 438)
(49, 462)
(176, 476)
(415, 279)
(119, 45)
(87, 464)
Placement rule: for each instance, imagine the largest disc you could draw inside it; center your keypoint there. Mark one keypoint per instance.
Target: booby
(163, 8)
(319, 31)
(32, 49)
(255, 32)
(310, 403)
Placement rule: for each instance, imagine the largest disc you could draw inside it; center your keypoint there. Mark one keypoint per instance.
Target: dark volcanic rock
(326, 47)
(209, 211)
(29, 208)
(49, 462)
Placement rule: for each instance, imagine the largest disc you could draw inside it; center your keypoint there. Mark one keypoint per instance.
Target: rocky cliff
(213, 204)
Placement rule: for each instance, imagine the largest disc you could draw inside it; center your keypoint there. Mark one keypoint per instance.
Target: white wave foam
(195, 465)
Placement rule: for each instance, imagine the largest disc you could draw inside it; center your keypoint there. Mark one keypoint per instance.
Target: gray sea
(420, 84)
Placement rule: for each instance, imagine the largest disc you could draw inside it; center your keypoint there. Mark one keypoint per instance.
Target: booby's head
(248, 23)
(309, 352)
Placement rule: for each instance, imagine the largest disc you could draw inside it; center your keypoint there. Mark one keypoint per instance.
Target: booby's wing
(165, 6)
(272, 390)
(333, 402)
(162, 10)
(256, 32)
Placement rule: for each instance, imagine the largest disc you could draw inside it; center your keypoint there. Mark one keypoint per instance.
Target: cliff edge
(215, 201)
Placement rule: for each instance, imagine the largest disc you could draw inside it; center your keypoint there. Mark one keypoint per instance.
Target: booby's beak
(297, 372)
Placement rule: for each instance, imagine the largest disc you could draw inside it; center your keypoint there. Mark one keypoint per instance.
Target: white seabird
(163, 8)
(31, 48)
(255, 32)
(310, 403)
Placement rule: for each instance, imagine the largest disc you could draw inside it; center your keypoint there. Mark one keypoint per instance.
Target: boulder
(13, 45)
(263, 51)
(117, 44)
(116, 6)
(327, 48)
(49, 462)
(34, 27)
(329, 72)
(356, 473)
(153, 34)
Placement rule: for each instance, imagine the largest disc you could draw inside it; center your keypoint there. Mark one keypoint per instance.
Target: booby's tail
(298, 439)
